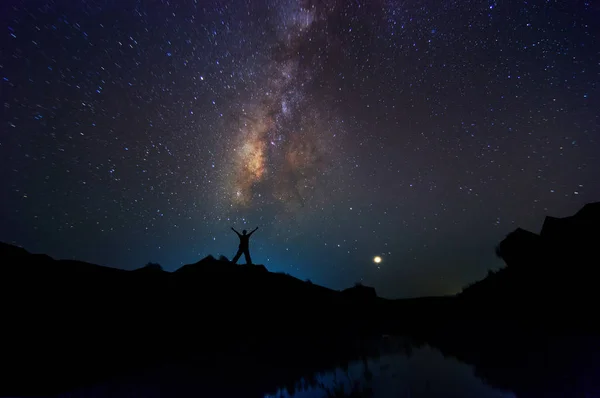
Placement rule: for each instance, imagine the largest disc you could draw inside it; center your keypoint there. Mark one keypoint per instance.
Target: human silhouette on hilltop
(244, 245)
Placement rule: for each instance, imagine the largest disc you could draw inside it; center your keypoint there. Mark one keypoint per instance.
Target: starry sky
(419, 131)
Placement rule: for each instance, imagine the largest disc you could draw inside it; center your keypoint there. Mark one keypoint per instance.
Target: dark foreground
(530, 328)
(67, 325)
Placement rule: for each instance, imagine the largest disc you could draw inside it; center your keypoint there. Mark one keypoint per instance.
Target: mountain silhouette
(360, 292)
(151, 267)
(529, 327)
(555, 269)
(71, 323)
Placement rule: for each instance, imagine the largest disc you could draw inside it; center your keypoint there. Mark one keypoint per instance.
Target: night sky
(419, 131)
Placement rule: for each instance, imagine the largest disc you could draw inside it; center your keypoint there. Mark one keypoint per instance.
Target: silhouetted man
(244, 245)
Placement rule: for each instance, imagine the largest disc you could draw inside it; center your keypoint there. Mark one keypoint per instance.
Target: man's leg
(247, 255)
(237, 256)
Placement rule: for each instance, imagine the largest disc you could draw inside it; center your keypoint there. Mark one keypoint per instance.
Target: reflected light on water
(425, 373)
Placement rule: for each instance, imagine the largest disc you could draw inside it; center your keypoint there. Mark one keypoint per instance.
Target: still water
(394, 369)
(425, 373)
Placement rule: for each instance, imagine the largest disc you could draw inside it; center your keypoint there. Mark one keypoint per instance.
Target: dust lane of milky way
(277, 141)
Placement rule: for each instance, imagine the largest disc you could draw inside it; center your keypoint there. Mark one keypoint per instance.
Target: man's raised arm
(253, 231)
(233, 229)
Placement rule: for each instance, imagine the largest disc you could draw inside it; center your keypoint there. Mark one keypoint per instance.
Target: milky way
(420, 131)
(279, 141)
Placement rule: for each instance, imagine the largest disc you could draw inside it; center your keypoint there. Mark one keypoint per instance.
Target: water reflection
(424, 372)
(390, 367)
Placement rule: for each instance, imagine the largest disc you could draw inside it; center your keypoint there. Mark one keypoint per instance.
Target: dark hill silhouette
(360, 292)
(553, 270)
(151, 267)
(530, 326)
(73, 322)
(67, 323)
(213, 266)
